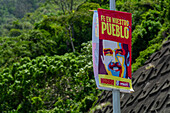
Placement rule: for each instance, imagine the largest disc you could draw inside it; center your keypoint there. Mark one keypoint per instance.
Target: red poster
(114, 70)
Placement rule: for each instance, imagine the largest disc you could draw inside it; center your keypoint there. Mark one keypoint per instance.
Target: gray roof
(151, 83)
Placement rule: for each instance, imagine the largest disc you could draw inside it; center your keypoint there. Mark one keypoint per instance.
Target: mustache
(114, 64)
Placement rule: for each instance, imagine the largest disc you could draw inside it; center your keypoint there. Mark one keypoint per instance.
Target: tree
(68, 7)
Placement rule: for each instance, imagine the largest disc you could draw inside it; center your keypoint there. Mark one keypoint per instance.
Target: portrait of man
(115, 57)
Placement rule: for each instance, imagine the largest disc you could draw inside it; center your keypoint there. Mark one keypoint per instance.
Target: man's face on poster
(114, 58)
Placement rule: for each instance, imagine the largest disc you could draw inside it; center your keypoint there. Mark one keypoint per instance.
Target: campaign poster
(114, 50)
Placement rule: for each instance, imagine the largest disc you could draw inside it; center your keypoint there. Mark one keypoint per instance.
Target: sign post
(115, 92)
(111, 48)
(112, 5)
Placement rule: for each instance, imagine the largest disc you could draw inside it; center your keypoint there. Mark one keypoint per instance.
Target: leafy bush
(14, 32)
(153, 45)
(36, 43)
(59, 82)
(143, 33)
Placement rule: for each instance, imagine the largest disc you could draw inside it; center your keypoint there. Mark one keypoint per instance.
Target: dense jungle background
(46, 50)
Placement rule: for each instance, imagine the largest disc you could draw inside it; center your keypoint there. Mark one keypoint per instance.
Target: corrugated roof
(151, 83)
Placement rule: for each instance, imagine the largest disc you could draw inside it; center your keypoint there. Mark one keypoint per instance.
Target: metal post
(116, 101)
(115, 93)
(112, 5)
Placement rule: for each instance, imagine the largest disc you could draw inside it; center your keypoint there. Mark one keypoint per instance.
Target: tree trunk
(72, 44)
(71, 7)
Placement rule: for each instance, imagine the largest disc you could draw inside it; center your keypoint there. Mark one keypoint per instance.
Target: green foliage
(12, 10)
(39, 72)
(147, 20)
(73, 25)
(143, 33)
(19, 7)
(36, 43)
(14, 32)
(153, 45)
(100, 107)
(51, 36)
(15, 28)
(37, 102)
(59, 82)
(88, 6)
(66, 6)
(144, 55)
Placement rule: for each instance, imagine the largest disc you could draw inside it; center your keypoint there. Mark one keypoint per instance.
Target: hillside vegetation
(46, 51)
